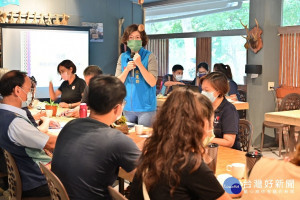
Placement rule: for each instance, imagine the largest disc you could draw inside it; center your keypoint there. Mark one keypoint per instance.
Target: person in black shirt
(226, 123)
(171, 164)
(88, 152)
(71, 89)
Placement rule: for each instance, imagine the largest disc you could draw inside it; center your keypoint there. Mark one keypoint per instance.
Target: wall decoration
(32, 18)
(96, 32)
(253, 39)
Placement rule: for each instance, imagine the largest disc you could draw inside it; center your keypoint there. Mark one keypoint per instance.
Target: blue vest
(27, 159)
(141, 97)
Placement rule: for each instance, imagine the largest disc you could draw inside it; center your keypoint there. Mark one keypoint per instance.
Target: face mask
(28, 100)
(209, 138)
(65, 76)
(134, 45)
(209, 95)
(178, 77)
(200, 74)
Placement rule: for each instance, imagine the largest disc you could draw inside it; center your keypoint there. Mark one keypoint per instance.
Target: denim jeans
(143, 118)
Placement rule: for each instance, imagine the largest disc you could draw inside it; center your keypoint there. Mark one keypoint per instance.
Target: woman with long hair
(171, 164)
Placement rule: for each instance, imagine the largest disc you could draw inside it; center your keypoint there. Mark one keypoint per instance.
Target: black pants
(41, 191)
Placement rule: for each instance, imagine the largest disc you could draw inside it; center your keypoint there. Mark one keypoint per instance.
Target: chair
(115, 194)
(245, 134)
(14, 180)
(289, 102)
(243, 98)
(57, 190)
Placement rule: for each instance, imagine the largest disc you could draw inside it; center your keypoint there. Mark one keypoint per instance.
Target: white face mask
(209, 95)
(65, 76)
(178, 77)
(28, 100)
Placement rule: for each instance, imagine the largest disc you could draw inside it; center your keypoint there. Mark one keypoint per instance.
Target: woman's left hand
(137, 59)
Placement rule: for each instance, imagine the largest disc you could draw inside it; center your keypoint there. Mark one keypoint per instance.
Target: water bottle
(83, 110)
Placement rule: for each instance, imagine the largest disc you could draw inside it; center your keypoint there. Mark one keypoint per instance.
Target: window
(183, 51)
(230, 51)
(291, 13)
(197, 17)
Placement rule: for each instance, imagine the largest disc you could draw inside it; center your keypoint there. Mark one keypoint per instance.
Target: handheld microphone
(131, 56)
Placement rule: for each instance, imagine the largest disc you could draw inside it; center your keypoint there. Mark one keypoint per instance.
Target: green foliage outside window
(291, 13)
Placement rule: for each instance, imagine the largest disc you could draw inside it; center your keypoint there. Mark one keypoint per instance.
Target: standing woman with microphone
(137, 69)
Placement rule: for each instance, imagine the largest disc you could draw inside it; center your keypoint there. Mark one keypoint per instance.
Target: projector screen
(38, 52)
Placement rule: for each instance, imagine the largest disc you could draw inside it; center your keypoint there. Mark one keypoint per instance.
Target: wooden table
(226, 156)
(239, 105)
(292, 118)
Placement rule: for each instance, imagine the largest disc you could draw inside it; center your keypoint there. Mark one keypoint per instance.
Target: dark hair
(218, 81)
(105, 92)
(67, 64)
(10, 80)
(225, 69)
(92, 70)
(33, 82)
(134, 27)
(204, 65)
(177, 67)
(185, 132)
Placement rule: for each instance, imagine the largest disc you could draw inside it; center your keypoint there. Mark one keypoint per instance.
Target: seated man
(88, 73)
(88, 153)
(172, 79)
(19, 137)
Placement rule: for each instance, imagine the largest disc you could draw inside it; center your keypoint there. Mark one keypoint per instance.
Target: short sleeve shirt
(72, 93)
(200, 184)
(88, 155)
(22, 133)
(227, 121)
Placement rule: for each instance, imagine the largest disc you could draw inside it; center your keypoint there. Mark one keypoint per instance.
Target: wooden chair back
(115, 194)
(245, 134)
(290, 102)
(14, 179)
(57, 190)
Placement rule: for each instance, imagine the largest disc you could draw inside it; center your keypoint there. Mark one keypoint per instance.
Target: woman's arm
(53, 95)
(149, 78)
(123, 75)
(171, 83)
(227, 140)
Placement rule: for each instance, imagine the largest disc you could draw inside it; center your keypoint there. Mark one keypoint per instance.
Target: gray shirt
(152, 66)
(21, 132)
